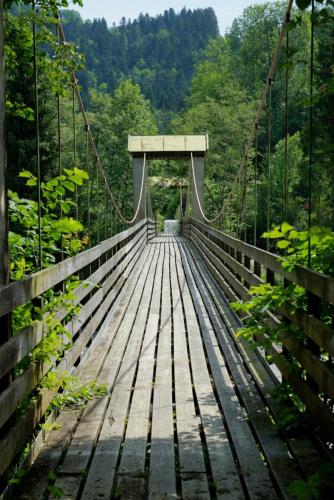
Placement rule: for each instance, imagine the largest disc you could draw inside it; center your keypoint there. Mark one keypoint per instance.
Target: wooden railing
(237, 266)
(103, 271)
(151, 229)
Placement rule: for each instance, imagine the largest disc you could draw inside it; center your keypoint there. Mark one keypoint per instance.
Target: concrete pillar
(199, 176)
(137, 166)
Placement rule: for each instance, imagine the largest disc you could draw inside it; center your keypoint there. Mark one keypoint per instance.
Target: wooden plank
(128, 342)
(101, 473)
(319, 372)
(253, 469)
(317, 369)
(131, 472)
(224, 472)
(162, 480)
(17, 436)
(301, 447)
(26, 382)
(320, 333)
(189, 440)
(19, 292)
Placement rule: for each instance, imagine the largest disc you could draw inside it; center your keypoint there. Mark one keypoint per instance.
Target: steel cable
(250, 142)
(93, 145)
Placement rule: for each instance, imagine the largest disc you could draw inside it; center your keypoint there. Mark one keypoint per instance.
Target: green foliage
(60, 234)
(317, 485)
(319, 241)
(271, 298)
(73, 392)
(55, 491)
(306, 490)
(158, 52)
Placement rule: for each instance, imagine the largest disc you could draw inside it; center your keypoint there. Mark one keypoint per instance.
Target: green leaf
(31, 182)
(76, 179)
(285, 227)
(283, 244)
(69, 185)
(274, 233)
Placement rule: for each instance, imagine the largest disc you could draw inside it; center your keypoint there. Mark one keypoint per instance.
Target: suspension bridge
(189, 410)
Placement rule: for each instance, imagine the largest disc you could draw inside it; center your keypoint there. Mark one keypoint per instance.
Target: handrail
(19, 292)
(319, 284)
(118, 256)
(236, 266)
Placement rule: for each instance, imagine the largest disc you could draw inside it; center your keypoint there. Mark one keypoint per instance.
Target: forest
(212, 85)
(74, 91)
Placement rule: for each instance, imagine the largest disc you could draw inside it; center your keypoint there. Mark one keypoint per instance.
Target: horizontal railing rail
(237, 266)
(102, 271)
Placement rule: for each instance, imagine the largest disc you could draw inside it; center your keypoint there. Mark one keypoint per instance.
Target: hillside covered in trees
(158, 53)
(176, 74)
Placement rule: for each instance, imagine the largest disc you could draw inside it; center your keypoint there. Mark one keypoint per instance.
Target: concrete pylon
(199, 177)
(138, 164)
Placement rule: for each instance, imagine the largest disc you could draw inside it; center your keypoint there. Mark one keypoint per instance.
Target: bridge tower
(168, 147)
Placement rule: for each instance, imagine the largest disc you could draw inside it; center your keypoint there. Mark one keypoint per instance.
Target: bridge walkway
(188, 412)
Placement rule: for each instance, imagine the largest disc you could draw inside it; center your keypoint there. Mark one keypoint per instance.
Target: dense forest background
(174, 73)
(159, 53)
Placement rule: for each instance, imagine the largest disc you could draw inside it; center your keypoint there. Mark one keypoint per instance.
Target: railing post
(4, 254)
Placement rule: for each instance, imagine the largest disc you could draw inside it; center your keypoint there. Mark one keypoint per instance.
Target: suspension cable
(250, 142)
(88, 184)
(245, 206)
(269, 169)
(93, 145)
(286, 187)
(38, 153)
(255, 185)
(310, 164)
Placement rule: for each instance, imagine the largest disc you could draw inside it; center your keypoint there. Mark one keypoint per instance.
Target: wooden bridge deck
(187, 412)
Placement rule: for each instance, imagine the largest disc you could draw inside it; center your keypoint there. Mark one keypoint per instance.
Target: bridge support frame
(138, 164)
(199, 178)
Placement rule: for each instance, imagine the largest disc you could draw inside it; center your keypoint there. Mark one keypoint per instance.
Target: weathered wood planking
(131, 472)
(192, 465)
(322, 334)
(172, 310)
(282, 465)
(19, 292)
(162, 474)
(236, 266)
(28, 380)
(316, 367)
(302, 449)
(224, 473)
(252, 466)
(117, 366)
(101, 474)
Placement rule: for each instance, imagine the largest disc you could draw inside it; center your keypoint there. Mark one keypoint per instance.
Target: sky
(114, 10)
